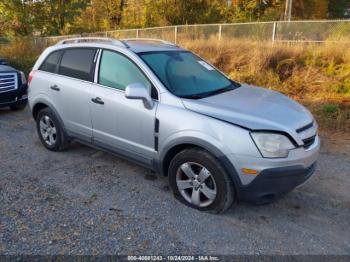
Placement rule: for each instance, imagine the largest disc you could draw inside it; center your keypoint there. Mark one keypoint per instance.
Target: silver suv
(163, 107)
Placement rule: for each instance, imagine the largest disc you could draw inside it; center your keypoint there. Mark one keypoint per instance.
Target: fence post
(175, 34)
(274, 32)
(137, 33)
(106, 34)
(220, 31)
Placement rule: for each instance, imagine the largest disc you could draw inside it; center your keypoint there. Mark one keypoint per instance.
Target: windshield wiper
(219, 91)
(211, 93)
(192, 96)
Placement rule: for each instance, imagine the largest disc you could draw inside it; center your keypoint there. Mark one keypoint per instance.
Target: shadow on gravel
(7, 111)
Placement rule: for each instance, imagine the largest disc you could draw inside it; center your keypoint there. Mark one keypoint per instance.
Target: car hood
(254, 108)
(6, 68)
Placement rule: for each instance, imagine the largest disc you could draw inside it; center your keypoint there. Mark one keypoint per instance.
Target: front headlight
(272, 145)
(23, 77)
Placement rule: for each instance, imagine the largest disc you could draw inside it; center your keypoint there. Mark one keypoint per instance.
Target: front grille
(8, 82)
(308, 142)
(308, 134)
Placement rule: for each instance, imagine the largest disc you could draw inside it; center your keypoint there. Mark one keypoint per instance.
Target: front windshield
(186, 75)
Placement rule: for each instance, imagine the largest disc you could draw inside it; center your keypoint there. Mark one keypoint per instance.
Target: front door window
(118, 72)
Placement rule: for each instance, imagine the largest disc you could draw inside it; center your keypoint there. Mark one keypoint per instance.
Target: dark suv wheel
(199, 181)
(50, 130)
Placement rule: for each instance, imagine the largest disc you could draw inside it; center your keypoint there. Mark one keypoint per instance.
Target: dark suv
(13, 87)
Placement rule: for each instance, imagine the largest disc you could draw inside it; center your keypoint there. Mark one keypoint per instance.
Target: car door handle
(98, 100)
(55, 87)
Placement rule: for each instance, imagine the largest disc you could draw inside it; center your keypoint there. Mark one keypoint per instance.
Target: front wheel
(199, 181)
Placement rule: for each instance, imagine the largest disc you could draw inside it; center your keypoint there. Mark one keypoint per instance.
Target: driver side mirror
(139, 91)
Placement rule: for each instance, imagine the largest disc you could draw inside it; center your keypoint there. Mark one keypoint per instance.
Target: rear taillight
(30, 77)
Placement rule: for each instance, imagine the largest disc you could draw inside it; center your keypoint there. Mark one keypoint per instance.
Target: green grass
(331, 108)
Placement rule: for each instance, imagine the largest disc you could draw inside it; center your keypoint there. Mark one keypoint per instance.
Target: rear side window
(51, 62)
(78, 63)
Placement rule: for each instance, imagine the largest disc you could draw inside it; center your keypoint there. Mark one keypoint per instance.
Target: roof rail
(150, 40)
(92, 39)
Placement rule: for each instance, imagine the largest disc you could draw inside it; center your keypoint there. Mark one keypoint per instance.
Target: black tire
(225, 193)
(18, 107)
(61, 140)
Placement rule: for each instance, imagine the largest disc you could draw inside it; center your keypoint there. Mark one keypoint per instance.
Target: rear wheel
(50, 130)
(199, 181)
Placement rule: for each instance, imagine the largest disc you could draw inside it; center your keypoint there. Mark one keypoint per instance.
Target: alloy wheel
(196, 184)
(48, 130)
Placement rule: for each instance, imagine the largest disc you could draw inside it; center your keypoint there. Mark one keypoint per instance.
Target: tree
(25, 17)
(52, 17)
(134, 13)
(310, 9)
(175, 12)
(15, 17)
(254, 10)
(101, 15)
(337, 8)
(61, 14)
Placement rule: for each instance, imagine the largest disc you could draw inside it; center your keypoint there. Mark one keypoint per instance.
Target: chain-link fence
(313, 31)
(282, 31)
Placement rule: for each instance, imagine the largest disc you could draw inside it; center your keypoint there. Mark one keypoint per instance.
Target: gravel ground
(83, 201)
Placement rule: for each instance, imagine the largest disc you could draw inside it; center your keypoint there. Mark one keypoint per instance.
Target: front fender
(208, 143)
(192, 137)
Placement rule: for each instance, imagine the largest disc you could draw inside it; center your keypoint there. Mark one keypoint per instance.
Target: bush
(21, 54)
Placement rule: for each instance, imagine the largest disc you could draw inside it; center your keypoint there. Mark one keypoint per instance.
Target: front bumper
(275, 176)
(15, 101)
(274, 182)
(15, 97)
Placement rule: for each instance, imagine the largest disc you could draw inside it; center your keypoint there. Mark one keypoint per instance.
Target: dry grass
(316, 75)
(21, 54)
